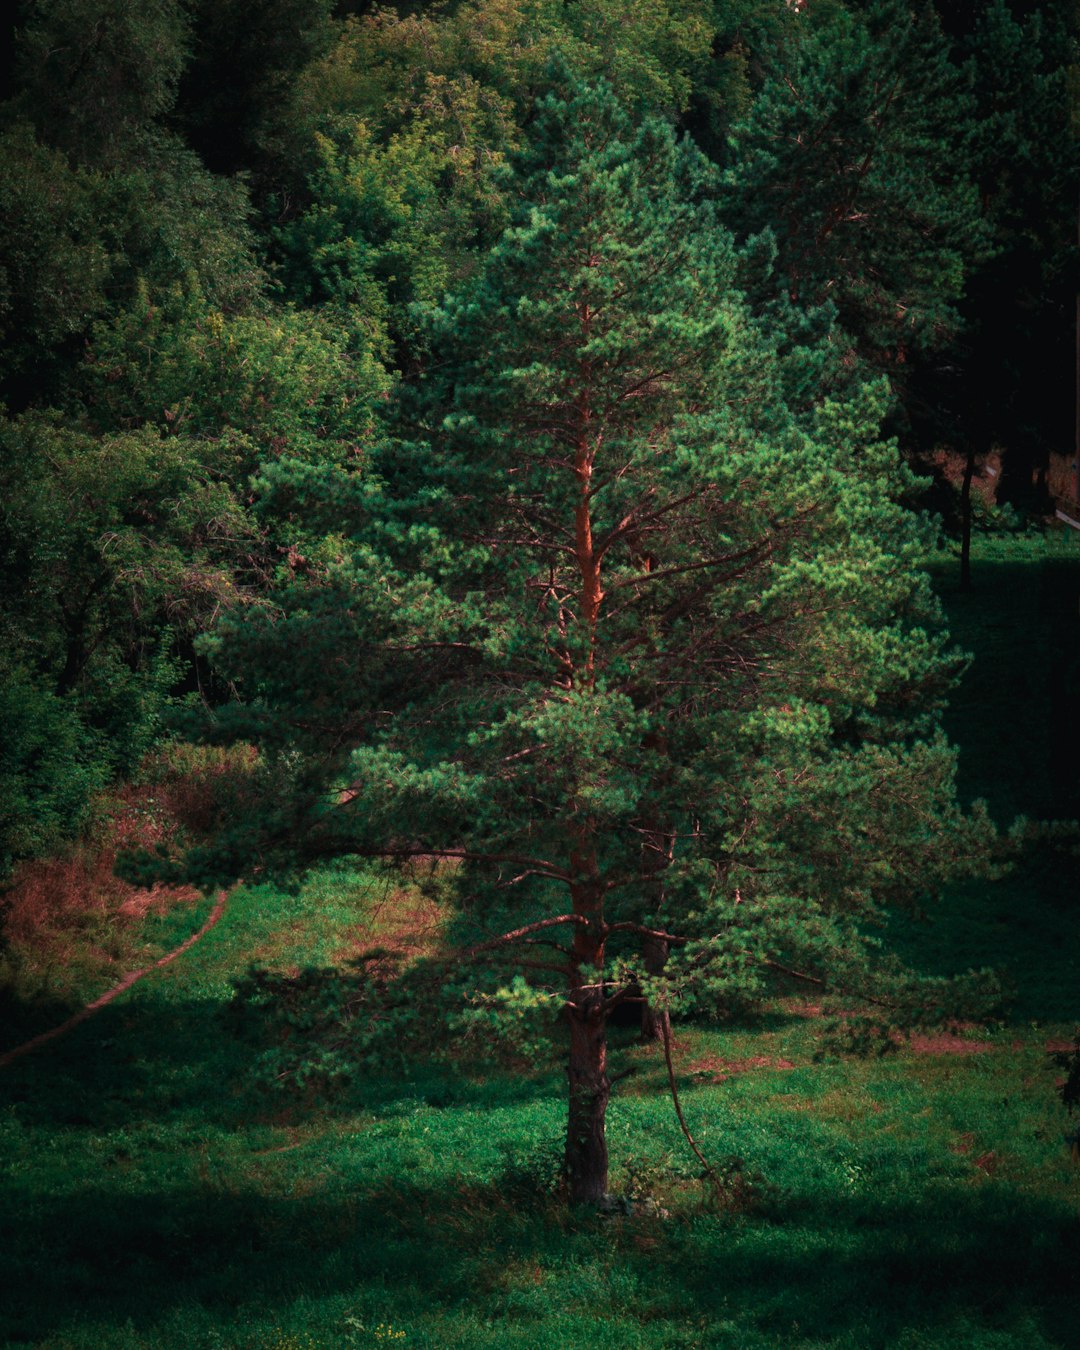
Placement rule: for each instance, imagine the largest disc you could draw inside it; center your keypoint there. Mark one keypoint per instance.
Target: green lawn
(155, 1195)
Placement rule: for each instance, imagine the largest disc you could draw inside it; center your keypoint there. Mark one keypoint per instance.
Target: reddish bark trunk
(590, 1089)
(592, 593)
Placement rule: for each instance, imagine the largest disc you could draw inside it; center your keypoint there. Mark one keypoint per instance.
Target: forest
(540, 674)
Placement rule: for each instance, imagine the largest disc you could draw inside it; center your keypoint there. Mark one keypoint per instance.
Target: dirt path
(84, 1014)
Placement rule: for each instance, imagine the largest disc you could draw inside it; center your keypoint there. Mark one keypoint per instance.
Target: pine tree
(646, 652)
(856, 155)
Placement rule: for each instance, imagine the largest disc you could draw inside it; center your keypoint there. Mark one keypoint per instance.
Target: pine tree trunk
(586, 1142)
(590, 1089)
(965, 519)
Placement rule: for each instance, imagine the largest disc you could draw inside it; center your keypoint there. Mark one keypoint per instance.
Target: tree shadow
(863, 1271)
(1016, 713)
(152, 1055)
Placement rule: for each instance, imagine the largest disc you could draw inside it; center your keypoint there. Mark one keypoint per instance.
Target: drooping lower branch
(710, 1171)
(655, 1020)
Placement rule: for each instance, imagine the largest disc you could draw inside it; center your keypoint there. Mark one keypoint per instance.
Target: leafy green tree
(269, 382)
(108, 542)
(387, 228)
(78, 244)
(102, 197)
(646, 652)
(166, 222)
(127, 528)
(50, 764)
(114, 549)
(93, 75)
(650, 51)
(53, 262)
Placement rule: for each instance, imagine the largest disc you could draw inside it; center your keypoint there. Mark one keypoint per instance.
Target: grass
(155, 1196)
(1016, 717)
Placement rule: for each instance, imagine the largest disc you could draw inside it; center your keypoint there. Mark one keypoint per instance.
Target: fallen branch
(84, 1014)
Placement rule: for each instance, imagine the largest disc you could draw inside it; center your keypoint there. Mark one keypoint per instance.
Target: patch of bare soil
(948, 1043)
(720, 1069)
(74, 907)
(987, 1163)
(54, 905)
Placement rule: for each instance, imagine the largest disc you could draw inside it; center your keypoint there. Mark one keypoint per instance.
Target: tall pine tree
(646, 652)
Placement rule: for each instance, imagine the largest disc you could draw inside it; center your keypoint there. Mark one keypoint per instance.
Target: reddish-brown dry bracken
(129, 979)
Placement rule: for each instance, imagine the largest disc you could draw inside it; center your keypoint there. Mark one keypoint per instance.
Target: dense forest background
(222, 222)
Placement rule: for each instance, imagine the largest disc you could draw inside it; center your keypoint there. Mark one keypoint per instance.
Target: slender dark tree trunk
(654, 955)
(586, 1156)
(965, 519)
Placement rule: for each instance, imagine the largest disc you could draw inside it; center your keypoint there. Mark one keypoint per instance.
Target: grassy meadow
(163, 1188)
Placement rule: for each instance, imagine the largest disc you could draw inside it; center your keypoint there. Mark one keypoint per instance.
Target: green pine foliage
(856, 155)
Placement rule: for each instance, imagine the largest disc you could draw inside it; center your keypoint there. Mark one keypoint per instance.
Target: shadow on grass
(1016, 714)
(1016, 720)
(155, 1056)
(22, 1019)
(837, 1267)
